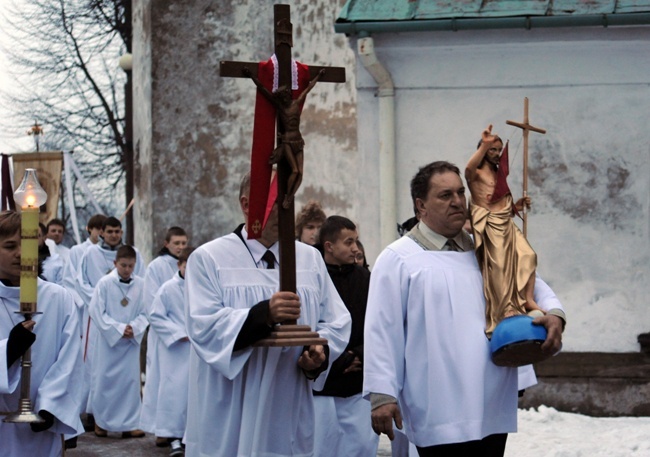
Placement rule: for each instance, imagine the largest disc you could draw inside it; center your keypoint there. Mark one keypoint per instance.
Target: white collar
(257, 249)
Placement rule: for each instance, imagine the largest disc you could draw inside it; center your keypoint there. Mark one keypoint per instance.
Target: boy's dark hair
(111, 222)
(174, 231)
(55, 221)
(185, 254)
(125, 252)
(96, 222)
(332, 227)
(9, 224)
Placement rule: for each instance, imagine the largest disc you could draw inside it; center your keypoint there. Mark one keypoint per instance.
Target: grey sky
(14, 137)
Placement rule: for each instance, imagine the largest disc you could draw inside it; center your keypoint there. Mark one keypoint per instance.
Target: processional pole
(30, 196)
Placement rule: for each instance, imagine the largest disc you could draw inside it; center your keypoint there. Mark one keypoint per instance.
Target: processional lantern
(30, 196)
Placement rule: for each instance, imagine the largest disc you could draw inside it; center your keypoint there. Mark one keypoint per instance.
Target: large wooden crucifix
(286, 218)
(526, 127)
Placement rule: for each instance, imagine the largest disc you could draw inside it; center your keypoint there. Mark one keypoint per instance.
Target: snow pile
(546, 432)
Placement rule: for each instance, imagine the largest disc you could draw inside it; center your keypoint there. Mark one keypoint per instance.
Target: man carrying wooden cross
(246, 400)
(250, 397)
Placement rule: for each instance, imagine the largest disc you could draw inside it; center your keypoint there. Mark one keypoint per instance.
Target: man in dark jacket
(343, 424)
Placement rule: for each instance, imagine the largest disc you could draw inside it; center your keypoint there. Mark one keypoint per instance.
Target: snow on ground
(546, 432)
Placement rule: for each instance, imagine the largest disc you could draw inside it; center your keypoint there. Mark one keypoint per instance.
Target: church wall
(193, 129)
(589, 87)
(142, 121)
(588, 176)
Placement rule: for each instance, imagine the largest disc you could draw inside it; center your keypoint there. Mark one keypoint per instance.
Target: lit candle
(30, 196)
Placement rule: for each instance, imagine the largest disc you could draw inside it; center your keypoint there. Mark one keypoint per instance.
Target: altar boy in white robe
(167, 318)
(426, 355)
(119, 316)
(96, 262)
(159, 270)
(245, 400)
(69, 281)
(55, 384)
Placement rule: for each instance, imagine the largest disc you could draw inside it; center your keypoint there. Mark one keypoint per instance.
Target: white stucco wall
(590, 89)
(193, 129)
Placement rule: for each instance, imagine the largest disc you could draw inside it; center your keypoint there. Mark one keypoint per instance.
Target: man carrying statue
(427, 360)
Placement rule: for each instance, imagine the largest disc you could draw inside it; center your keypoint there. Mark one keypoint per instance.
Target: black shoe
(176, 449)
(89, 423)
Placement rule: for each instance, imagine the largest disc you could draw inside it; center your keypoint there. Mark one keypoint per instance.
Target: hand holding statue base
(516, 342)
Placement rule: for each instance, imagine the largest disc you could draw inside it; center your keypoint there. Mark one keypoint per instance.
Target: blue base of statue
(517, 342)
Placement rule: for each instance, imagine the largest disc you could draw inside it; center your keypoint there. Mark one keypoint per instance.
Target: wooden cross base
(292, 335)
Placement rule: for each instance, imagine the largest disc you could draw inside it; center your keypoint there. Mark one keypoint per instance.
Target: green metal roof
(374, 16)
(401, 10)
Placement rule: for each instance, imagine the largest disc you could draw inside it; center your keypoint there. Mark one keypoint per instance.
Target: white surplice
(95, 263)
(425, 344)
(115, 376)
(167, 318)
(60, 249)
(53, 269)
(55, 381)
(343, 427)
(69, 280)
(160, 270)
(255, 402)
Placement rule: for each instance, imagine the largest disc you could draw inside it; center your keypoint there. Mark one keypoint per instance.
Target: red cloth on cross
(263, 192)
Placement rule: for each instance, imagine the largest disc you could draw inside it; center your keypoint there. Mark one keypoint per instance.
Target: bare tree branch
(64, 55)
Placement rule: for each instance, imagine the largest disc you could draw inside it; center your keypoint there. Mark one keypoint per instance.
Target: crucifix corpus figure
(505, 257)
(283, 85)
(290, 142)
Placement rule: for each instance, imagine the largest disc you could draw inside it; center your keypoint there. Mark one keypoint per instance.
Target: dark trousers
(490, 446)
